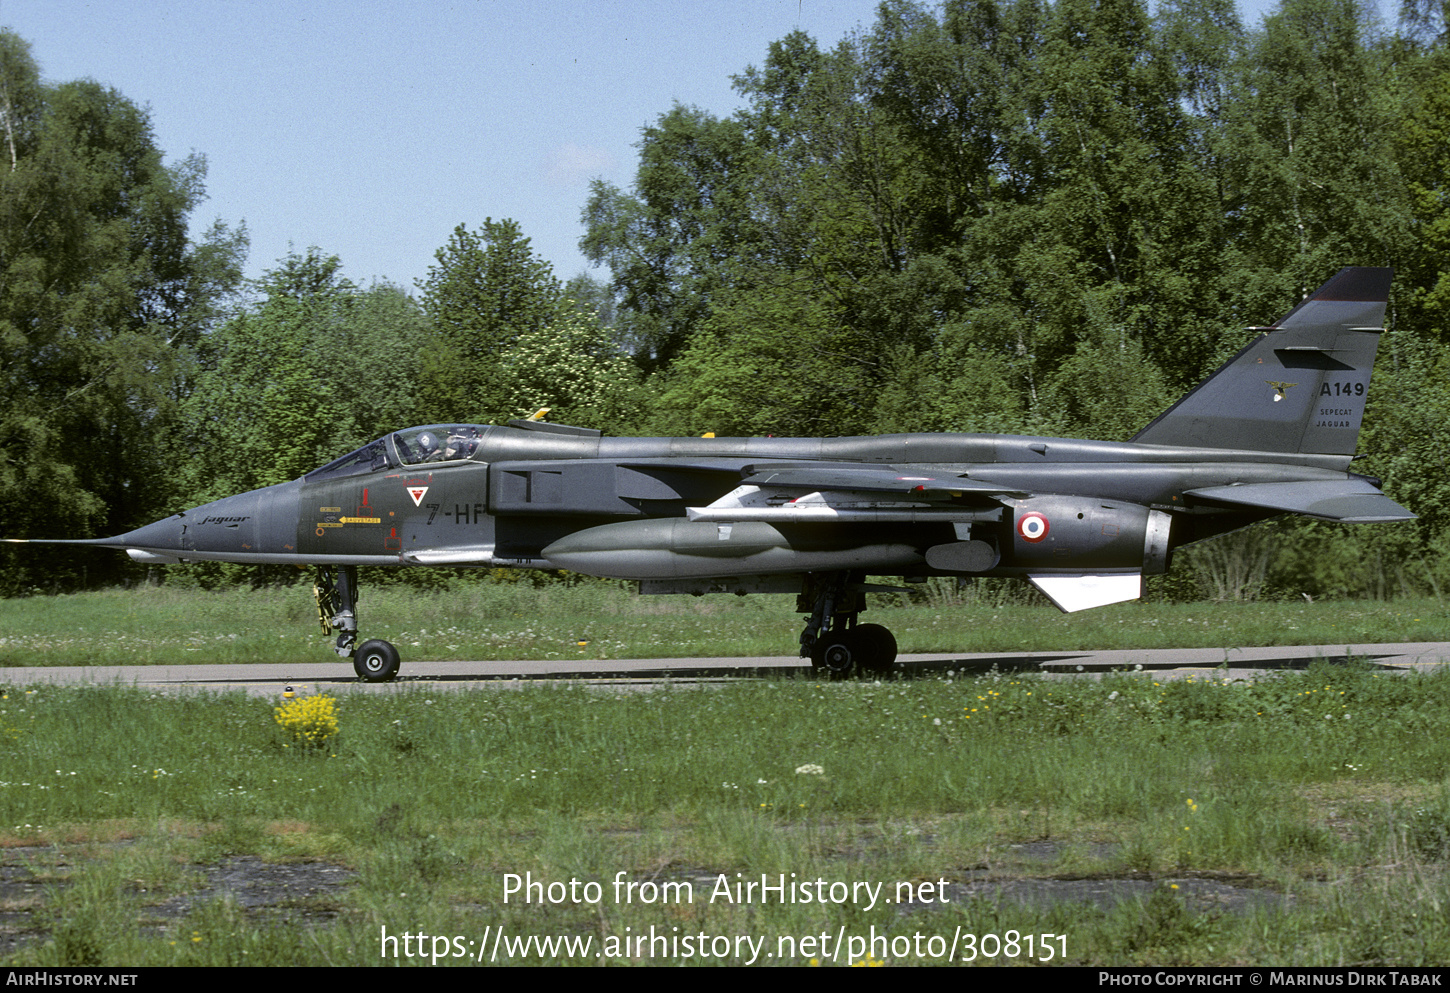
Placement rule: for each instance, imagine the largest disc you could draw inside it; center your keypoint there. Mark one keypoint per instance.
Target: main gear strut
(832, 639)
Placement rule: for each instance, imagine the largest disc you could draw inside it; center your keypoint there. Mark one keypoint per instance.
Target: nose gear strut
(336, 593)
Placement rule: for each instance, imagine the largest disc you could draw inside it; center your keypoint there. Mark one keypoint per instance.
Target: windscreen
(369, 458)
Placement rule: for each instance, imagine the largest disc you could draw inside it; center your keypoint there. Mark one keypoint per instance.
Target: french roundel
(1032, 527)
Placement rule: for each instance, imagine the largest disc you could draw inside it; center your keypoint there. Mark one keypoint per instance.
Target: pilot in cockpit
(427, 445)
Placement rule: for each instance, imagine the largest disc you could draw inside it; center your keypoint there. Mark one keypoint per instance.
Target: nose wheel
(376, 661)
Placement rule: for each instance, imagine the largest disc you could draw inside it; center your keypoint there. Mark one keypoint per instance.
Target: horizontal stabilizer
(1353, 500)
(1074, 593)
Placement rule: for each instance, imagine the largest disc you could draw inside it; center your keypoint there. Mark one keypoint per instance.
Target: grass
(1324, 790)
(503, 621)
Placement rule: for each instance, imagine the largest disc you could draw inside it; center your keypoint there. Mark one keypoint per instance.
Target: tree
(101, 297)
(775, 363)
(681, 235)
(1421, 141)
(1309, 133)
(593, 298)
(487, 288)
(318, 368)
(573, 368)
(956, 386)
(1015, 171)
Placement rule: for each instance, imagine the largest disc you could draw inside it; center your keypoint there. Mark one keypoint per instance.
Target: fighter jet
(1271, 432)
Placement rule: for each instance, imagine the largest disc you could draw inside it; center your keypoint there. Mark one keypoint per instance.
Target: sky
(372, 129)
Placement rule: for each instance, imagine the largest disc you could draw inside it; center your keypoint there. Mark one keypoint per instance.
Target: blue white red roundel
(1032, 527)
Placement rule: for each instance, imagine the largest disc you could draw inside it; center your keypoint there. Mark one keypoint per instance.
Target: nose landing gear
(376, 661)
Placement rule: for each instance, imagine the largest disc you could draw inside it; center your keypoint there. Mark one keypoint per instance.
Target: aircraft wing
(822, 475)
(871, 479)
(707, 467)
(839, 493)
(1353, 500)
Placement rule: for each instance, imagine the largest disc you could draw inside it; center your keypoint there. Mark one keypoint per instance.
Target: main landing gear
(832, 639)
(375, 661)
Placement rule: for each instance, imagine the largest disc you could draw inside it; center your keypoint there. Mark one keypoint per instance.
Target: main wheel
(837, 654)
(878, 647)
(376, 661)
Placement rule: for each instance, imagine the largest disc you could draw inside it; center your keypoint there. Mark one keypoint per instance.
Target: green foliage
(1422, 135)
(318, 368)
(1308, 137)
(771, 365)
(671, 244)
(309, 722)
(102, 295)
(507, 341)
(571, 366)
(509, 617)
(1300, 819)
(1108, 388)
(1407, 427)
(487, 289)
(954, 387)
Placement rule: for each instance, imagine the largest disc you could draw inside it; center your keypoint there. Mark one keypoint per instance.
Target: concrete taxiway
(325, 675)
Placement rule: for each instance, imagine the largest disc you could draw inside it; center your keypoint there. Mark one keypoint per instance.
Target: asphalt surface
(337, 676)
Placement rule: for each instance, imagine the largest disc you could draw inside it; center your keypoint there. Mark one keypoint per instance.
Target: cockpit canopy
(412, 446)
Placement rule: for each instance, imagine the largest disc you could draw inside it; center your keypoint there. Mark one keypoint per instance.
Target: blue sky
(372, 129)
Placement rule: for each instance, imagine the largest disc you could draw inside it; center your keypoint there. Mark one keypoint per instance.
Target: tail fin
(1299, 387)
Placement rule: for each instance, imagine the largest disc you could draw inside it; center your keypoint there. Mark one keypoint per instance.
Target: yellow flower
(310, 721)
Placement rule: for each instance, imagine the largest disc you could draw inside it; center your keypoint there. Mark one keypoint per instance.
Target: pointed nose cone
(260, 526)
(256, 527)
(158, 541)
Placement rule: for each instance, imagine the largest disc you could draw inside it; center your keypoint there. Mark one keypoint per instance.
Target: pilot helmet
(427, 443)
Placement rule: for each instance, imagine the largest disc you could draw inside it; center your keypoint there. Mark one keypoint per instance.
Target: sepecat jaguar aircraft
(1271, 432)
